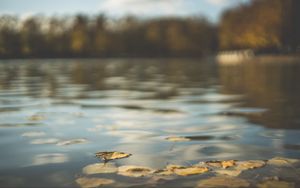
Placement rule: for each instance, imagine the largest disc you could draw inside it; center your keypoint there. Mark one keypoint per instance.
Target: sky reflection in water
(133, 106)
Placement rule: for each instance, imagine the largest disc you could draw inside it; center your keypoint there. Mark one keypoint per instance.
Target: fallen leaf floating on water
(232, 172)
(71, 142)
(190, 171)
(276, 184)
(184, 171)
(112, 155)
(229, 182)
(93, 182)
(36, 118)
(280, 161)
(135, 171)
(99, 168)
(223, 164)
(245, 165)
(177, 139)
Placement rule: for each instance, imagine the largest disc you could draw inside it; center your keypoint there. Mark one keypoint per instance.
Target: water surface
(241, 112)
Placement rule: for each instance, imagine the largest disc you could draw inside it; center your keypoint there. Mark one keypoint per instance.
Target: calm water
(236, 112)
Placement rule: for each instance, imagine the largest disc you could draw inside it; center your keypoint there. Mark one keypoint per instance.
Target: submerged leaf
(223, 182)
(177, 139)
(135, 171)
(245, 165)
(280, 161)
(276, 184)
(107, 155)
(93, 182)
(99, 168)
(71, 142)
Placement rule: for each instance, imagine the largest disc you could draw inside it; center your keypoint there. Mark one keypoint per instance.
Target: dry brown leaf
(135, 171)
(219, 164)
(107, 155)
(276, 184)
(223, 182)
(99, 168)
(93, 182)
(245, 165)
(172, 167)
(226, 164)
(177, 139)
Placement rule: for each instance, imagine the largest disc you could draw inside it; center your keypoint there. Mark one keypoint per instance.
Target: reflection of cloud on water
(128, 136)
(53, 158)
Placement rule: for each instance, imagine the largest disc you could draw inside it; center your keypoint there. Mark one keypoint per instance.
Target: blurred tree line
(267, 25)
(98, 36)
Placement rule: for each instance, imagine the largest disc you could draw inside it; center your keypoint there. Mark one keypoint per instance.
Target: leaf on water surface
(164, 172)
(229, 182)
(185, 171)
(229, 172)
(112, 155)
(276, 184)
(280, 161)
(135, 171)
(99, 168)
(252, 164)
(71, 142)
(36, 118)
(33, 134)
(190, 170)
(45, 141)
(223, 164)
(177, 139)
(93, 182)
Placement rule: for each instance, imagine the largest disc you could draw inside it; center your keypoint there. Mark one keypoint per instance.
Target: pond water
(56, 114)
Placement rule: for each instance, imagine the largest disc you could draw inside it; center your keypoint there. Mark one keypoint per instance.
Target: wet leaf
(245, 165)
(164, 172)
(112, 155)
(223, 182)
(93, 182)
(229, 172)
(135, 171)
(190, 170)
(172, 167)
(71, 142)
(177, 139)
(99, 168)
(36, 118)
(33, 134)
(280, 161)
(276, 184)
(223, 164)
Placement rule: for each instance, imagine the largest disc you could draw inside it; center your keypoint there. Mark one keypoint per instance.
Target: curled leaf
(107, 155)
(229, 182)
(135, 171)
(219, 164)
(93, 182)
(99, 168)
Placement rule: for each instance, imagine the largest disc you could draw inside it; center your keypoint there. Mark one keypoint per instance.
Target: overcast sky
(117, 8)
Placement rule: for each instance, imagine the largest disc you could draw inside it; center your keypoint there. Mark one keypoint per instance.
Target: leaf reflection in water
(52, 158)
